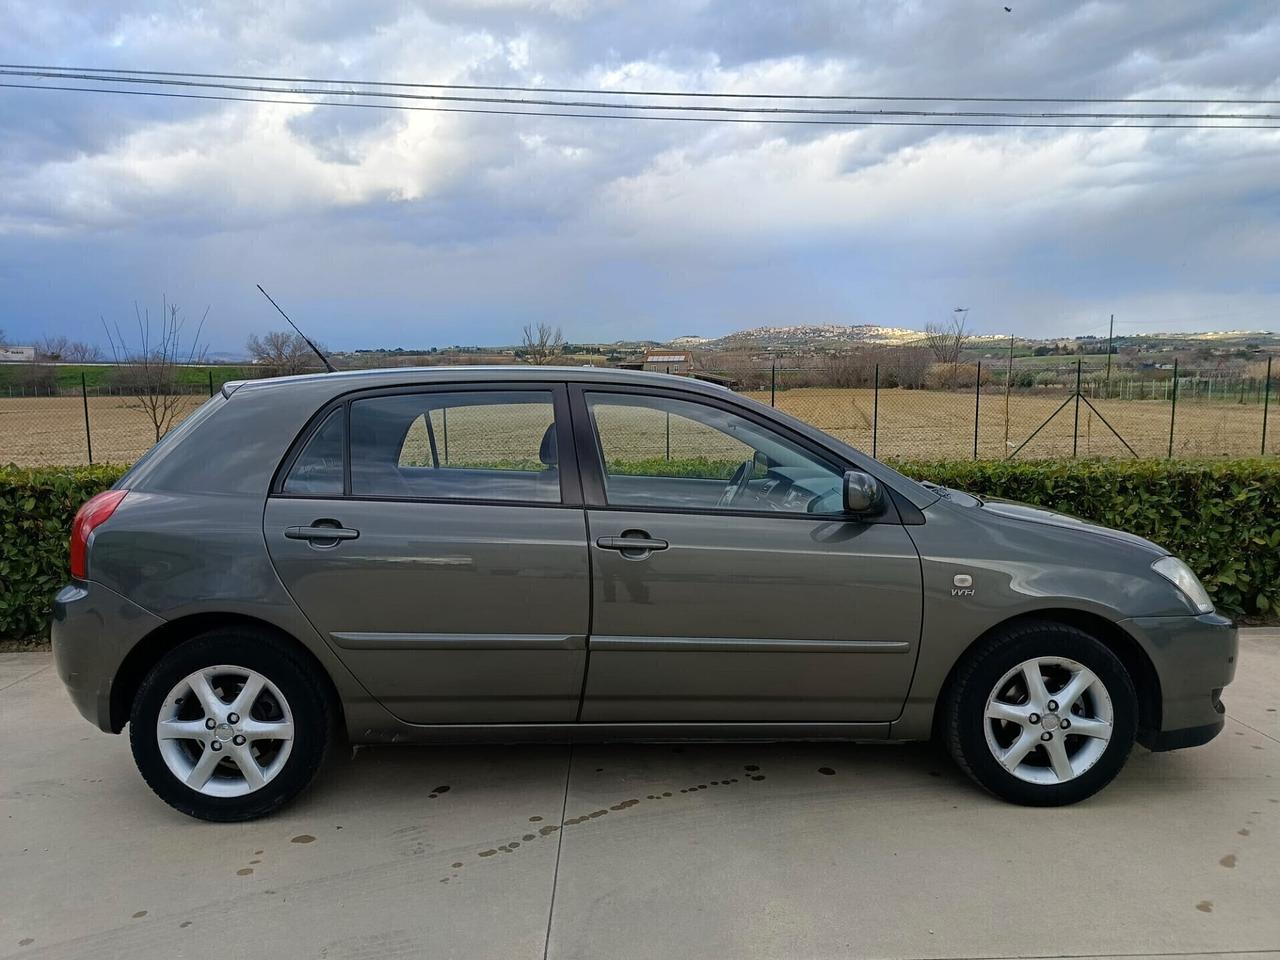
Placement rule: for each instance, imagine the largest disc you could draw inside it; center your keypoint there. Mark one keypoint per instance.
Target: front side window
(662, 452)
(472, 445)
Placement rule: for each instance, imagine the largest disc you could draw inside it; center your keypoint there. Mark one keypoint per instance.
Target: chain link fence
(45, 424)
(1076, 408)
(887, 405)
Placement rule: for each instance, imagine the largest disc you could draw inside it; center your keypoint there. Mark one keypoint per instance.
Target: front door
(728, 586)
(444, 558)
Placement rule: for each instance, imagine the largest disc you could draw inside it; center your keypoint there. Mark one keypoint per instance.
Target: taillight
(93, 512)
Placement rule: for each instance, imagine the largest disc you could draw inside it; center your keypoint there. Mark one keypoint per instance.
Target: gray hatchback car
(520, 553)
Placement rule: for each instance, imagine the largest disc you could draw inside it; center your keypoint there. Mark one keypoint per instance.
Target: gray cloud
(420, 228)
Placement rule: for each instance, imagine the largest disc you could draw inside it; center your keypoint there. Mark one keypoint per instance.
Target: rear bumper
(93, 629)
(1195, 659)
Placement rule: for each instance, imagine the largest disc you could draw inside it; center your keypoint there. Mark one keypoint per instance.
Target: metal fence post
(1173, 409)
(1266, 403)
(977, 399)
(211, 383)
(875, 411)
(444, 423)
(1075, 431)
(668, 419)
(84, 395)
(1008, 385)
(773, 382)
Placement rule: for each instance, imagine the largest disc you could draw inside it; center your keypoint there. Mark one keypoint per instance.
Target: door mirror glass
(862, 493)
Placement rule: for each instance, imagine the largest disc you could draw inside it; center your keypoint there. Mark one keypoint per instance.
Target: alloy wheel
(1048, 720)
(225, 731)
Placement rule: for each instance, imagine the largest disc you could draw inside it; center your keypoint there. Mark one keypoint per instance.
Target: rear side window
(457, 445)
(318, 469)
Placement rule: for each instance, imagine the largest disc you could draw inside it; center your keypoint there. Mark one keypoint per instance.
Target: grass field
(911, 423)
(98, 376)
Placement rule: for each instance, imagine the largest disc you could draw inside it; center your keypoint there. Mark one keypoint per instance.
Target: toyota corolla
(515, 553)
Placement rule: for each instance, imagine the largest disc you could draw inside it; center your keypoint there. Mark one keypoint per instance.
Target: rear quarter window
(318, 469)
(170, 441)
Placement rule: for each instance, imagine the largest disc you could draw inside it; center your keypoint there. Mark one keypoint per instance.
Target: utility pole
(1111, 334)
(963, 314)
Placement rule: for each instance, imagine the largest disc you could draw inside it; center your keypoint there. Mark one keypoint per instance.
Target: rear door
(728, 584)
(436, 538)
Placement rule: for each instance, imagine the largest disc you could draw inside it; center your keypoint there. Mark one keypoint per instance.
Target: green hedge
(36, 507)
(1222, 517)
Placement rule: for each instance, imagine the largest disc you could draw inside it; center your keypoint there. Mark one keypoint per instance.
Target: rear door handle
(321, 532)
(631, 543)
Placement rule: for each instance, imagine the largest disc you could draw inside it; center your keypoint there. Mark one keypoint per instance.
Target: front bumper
(93, 630)
(1194, 658)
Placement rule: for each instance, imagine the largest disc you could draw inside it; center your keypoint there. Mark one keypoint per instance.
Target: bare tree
(542, 344)
(851, 368)
(65, 350)
(37, 378)
(908, 367)
(946, 340)
(149, 369)
(283, 351)
(743, 368)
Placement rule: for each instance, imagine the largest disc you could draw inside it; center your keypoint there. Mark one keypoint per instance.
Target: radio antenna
(323, 359)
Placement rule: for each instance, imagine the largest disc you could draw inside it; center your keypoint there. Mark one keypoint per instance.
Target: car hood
(1014, 510)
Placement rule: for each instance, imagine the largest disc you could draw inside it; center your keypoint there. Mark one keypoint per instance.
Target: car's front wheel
(1042, 714)
(229, 725)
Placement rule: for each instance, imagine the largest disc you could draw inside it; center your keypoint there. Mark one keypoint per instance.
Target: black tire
(296, 680)
(964, 709)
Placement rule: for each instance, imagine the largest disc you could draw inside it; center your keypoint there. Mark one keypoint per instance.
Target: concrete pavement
(725, 851)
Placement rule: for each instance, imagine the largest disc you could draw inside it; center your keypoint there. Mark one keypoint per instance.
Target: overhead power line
(604, 91)
(617, 110)
(526, 102)
(955, 123)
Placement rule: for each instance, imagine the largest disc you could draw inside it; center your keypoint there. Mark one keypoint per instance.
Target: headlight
(1180, 575)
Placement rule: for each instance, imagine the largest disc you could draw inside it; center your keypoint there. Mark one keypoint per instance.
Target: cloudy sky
(385, 228)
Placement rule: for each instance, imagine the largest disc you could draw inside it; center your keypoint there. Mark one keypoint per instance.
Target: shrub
(1222, 517)
(36, 508)
(36, 379)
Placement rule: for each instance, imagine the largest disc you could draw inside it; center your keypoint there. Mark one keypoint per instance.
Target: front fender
(980, 570)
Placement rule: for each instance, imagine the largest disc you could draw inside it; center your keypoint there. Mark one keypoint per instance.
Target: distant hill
(829, 336)
(811, 335)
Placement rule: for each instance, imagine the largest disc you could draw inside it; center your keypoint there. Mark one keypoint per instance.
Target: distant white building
(17, 354)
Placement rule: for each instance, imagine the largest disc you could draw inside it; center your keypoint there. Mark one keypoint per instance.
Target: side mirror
(862, 493)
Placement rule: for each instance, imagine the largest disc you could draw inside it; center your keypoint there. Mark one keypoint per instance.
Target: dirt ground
(927, 424)
(936, 425)
(39, 431)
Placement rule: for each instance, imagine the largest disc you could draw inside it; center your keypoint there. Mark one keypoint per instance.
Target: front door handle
(321, 531)
(631, 543)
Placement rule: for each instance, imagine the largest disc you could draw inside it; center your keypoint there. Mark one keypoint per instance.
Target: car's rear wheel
(229, 725)
(1042, 714)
